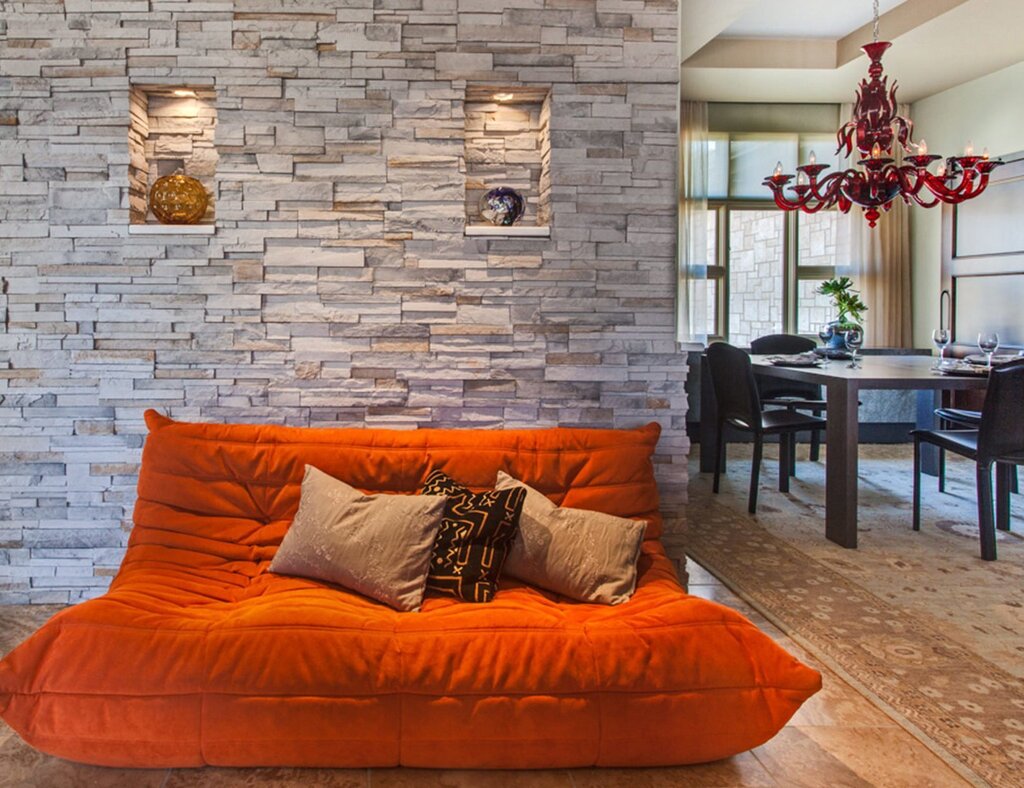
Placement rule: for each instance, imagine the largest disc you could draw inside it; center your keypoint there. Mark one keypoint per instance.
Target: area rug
(915, 620)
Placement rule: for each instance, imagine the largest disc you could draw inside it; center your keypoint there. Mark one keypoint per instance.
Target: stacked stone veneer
(339, 288)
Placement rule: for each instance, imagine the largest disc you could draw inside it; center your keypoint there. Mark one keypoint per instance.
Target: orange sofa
(198, 655)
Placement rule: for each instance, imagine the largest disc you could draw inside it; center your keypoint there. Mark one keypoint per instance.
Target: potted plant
(849, 308)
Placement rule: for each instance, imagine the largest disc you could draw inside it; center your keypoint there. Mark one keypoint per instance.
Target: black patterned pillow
(477, 531)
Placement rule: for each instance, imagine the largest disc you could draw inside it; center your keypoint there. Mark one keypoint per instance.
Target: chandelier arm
(828, 187)
(911, 182)
(964, 190)
(805, 204)
(782, 201)
(804, 198)
(926, 203)
(919, 200)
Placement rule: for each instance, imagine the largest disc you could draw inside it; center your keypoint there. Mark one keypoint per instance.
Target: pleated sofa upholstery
(198, 655)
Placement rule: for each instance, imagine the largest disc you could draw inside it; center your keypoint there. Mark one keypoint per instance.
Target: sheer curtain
(879, 264)
(692, 285)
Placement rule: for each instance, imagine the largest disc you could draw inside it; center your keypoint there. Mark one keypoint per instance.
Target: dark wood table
(841, 386)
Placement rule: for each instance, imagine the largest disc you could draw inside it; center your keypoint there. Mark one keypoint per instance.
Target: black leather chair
(999, 441)
(739, 405)
(950, 418)
(789, 394)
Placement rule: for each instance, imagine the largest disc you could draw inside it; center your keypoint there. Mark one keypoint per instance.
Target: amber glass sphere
(178, 199)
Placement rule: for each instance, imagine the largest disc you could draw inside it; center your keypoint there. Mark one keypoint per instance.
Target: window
(765, 264)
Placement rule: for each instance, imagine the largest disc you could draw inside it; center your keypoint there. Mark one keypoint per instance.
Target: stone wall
(339, 287)
(755, 274)
(817, 245)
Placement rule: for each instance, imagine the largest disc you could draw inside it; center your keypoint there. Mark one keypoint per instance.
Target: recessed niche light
(185, 93)
(504, 96)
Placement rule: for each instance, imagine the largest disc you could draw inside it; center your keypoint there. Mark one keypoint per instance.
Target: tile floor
(836, 739)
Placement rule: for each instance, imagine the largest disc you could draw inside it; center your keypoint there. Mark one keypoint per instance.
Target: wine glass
(854, 338)
(940, 337)
(825, 334)
(988, 343)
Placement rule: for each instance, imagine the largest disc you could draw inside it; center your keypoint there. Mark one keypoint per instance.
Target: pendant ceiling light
(874, 129)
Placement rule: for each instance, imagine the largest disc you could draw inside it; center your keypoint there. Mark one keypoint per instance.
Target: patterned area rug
(917, 621)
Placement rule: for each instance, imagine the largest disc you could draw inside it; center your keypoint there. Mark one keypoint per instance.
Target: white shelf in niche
(511, 231)
(171, 229)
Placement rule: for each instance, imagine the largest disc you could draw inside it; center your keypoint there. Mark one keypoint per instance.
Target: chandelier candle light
(874, 129)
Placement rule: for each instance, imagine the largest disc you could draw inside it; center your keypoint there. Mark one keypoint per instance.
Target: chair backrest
(1002, 416)
(732, 378)
(784, 344)
(781, 343)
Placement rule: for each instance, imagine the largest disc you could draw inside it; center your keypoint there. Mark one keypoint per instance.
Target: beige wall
(988, 111)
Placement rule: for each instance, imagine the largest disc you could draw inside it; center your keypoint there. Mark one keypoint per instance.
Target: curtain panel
(692, 285)
(880, 266)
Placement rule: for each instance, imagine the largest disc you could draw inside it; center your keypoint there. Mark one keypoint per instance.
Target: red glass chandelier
(874, 129)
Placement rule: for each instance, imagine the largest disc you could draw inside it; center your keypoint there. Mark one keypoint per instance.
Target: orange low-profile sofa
(198, 655)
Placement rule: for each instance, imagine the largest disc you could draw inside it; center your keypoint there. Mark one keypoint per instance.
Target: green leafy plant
(845, 299)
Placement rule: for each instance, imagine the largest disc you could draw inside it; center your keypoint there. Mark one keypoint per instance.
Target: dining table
(842, 384)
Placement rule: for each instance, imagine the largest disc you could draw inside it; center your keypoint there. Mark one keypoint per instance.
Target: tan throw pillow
(589, 556)
(378, 545)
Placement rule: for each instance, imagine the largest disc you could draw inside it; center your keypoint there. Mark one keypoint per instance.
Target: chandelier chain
(874, 31)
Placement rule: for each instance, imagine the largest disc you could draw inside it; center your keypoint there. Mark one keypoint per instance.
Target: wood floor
(837, 739)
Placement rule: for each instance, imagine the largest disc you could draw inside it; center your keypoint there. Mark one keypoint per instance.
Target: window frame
(792, 271)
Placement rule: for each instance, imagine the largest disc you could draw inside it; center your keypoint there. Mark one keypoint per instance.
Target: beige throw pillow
(589, 556)
(378, 545)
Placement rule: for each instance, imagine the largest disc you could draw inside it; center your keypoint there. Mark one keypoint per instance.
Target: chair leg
(755, 474)
(815, 445)
(917, 483)
(1014, 487)
(986, 524)
(792, 454)
(942, 470)
(1003, 476)
(719, 445)
(785, 460)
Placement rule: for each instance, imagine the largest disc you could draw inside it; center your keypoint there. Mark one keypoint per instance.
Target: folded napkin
(795, 360)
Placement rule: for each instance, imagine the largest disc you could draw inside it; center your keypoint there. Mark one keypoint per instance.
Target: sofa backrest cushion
(236, 486)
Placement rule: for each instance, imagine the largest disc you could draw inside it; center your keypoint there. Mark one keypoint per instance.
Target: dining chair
(999, 441)
(961, 417)
(790, 394)
(739, 405)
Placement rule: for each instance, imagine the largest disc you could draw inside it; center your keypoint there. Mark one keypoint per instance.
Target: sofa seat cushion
(275, 670)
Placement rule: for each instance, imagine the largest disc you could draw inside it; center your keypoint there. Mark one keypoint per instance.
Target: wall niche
(172, 129)
(508, 143)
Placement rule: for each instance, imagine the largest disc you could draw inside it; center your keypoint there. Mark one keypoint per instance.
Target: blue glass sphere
(502, 206)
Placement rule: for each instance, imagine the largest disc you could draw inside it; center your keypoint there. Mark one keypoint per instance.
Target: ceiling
(809, 50)
(804, 18)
